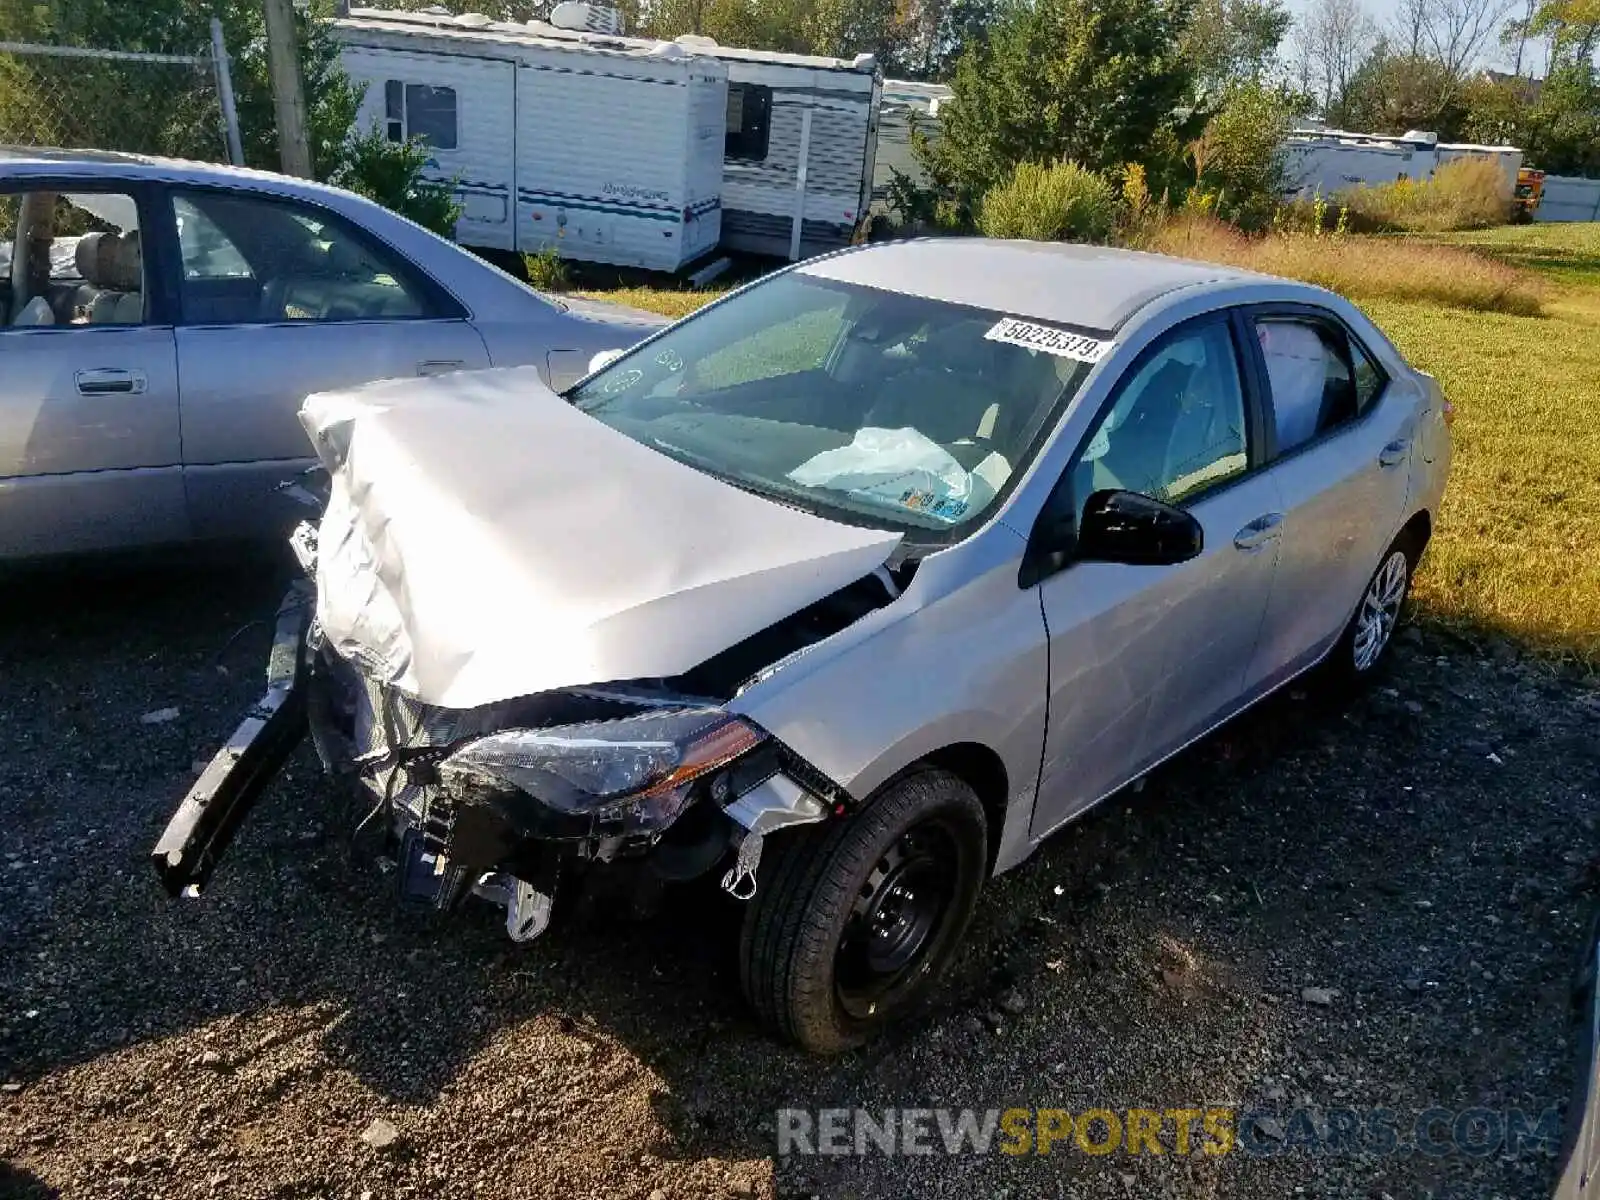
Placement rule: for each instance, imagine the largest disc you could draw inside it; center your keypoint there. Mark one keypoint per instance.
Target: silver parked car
(848, 590)
(161, 322)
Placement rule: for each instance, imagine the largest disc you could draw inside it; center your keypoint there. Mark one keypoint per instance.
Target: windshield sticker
(1049, 339)
(946, 508)
(622, 382)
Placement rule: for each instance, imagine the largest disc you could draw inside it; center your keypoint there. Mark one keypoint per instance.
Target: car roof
(91, 164)
(1090, 287)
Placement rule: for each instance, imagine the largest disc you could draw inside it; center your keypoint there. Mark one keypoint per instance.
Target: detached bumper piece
(204, 824)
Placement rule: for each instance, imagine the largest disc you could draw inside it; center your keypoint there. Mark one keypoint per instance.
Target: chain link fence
(178, 105)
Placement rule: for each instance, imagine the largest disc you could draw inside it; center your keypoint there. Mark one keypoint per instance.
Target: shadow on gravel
(1153, 953)
(19, 1184)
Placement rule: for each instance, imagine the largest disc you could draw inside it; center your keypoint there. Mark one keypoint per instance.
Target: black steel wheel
(853, 922)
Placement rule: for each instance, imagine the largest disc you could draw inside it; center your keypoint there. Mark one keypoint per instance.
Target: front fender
(963, 664)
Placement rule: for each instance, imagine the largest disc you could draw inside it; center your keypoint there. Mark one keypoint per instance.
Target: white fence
(1568, 198)
(180, 105)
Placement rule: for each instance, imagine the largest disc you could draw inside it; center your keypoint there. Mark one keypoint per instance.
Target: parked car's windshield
(868, 405)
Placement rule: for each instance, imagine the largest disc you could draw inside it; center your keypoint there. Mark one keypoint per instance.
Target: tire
(815, 962)
(1363, 648)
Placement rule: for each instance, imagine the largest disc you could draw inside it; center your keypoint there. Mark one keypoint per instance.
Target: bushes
(1467, 193)
(547, 271)
(1360, 268)
(1061, 202)
(390, 173)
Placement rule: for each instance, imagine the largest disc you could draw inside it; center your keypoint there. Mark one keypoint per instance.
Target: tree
(1240, 156)
(1331, 41)
(1091, 81)
(1396, 92)
(1230, 41)
(176, 26)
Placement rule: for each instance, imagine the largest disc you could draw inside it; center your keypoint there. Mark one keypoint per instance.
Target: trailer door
(465, 109)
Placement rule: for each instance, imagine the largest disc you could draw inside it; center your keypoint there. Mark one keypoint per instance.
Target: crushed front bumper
(503, 846)
(204, 824)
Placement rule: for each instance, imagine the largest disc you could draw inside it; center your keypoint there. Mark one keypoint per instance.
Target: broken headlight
(637, 770)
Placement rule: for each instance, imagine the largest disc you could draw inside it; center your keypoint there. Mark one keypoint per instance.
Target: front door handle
(104, 381)
(1259, 532)
(439, 366)
(1395, 453)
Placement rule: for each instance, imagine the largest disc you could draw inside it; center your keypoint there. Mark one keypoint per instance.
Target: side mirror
(1127, 527)
(604, 358)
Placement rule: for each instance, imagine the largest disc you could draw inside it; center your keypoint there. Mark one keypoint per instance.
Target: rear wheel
(1363, 649)
(858, 919)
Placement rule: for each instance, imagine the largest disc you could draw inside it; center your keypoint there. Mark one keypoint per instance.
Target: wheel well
(1417, 531)
(980, 769)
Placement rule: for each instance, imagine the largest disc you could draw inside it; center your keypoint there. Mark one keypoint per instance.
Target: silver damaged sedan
(845, 592)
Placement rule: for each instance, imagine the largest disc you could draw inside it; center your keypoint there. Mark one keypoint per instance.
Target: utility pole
(288, 93)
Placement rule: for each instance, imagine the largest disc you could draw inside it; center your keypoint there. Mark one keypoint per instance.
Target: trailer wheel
(857, 919)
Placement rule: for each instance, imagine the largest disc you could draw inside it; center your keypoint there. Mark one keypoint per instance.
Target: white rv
(609, 149)
(801, 139)
(906, 103)
(1329, 161)
(795, 134)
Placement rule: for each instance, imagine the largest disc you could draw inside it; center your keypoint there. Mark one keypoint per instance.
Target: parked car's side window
(1177, 425)
(252, 259)
(749, 121)
(419, 110)
(70, 259)
(1320, 377)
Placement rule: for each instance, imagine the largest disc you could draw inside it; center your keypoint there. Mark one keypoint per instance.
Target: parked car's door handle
(439, 366)
(1259, 532)
(1395, 453)
(105, 380)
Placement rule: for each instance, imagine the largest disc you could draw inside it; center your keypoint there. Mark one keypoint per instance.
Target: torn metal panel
(485, 540)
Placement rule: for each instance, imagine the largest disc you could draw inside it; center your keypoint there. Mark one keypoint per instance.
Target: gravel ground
(1421, 853)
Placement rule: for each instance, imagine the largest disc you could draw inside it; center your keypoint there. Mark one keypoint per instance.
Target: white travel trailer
(609, 149)
(796, 134)
(906, 103)
(1329, 161)
(801, 138)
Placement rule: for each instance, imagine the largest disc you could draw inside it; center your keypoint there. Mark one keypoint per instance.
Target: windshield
(865, 405)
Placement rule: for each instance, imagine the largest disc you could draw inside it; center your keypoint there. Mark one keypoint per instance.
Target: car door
(281, 298)
(90, 455)
(1342, 439)
(1144, 658)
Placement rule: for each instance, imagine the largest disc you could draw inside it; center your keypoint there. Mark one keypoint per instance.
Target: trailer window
(418, 110)
(749, 119)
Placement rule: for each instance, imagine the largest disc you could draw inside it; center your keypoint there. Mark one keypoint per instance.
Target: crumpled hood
(484, 540)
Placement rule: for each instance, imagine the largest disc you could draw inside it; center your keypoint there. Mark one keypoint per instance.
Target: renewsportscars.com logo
(1210, 1130)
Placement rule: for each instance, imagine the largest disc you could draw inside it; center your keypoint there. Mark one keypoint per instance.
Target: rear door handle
(1395, 453)
(439, 366)
(1259, 532)
(103, 381)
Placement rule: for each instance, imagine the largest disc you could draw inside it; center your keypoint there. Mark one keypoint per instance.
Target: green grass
(1517, 547)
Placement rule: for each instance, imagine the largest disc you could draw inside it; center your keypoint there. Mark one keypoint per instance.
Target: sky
(1493, 55)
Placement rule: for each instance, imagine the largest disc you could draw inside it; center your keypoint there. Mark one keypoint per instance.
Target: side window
(70, 258)
(250, 259)
(1370, 378)
(418, 110)
(1176, 427)
(1316, 383)
(749, 121)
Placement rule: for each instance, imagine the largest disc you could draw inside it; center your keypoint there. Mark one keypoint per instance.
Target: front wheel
(859, 919)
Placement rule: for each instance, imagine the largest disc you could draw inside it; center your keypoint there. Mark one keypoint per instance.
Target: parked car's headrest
(88, 257)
